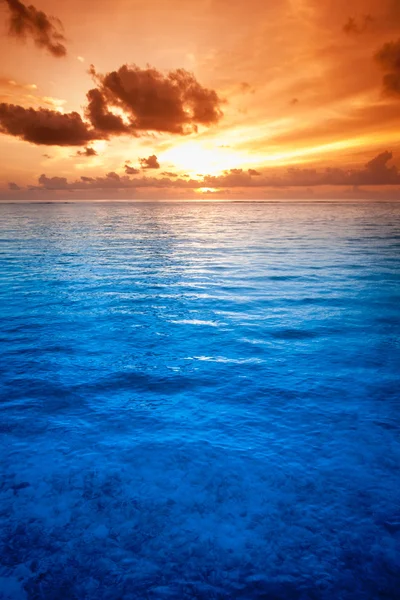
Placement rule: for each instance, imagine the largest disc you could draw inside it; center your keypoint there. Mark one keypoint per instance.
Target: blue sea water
(200, 401)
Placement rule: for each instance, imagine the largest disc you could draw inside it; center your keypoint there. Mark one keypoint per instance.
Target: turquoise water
(200, 401)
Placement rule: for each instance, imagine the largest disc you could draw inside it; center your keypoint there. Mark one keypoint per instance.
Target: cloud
(389, 59)
(130, 101)
(169, 174)
(131, 170)
(110, 181)
(25, 94)
(53, 183)
(377, 172)
(13, 186)
(14, 86)
(357, 26)
(150, 101)
(87, 152)
(43, 126)
(246, 87)
(45, 31)
(113, 175)
(149, 163)
(101, 118)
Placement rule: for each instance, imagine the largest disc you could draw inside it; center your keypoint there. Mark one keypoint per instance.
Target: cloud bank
(376, 172)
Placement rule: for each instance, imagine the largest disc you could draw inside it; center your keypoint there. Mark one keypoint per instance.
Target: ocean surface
(200, 401)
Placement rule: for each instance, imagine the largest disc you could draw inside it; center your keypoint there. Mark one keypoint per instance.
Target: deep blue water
(200, 401)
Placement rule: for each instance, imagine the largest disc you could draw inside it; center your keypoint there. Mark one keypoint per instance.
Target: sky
(236, 99)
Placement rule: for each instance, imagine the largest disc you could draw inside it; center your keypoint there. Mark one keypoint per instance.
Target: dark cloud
(246, 88)
(13, 186)
(294, 101)
(28, 22)
(357, 26)
(253, 172)
(88, 151)
(53, 183)
(46, 155)
(101, 118)
(151, 101)
(110, 181)
(377, 172)
(131, 170)
(149, 163)
(389, 59)
(169, 174)
(43, 126)
(230, 178)
(148, 101)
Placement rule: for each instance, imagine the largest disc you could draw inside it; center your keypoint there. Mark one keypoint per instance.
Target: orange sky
(303, 93)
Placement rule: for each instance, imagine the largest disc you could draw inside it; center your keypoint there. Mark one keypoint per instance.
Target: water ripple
(200, 401)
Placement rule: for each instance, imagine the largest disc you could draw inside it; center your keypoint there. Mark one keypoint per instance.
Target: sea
(200, 400)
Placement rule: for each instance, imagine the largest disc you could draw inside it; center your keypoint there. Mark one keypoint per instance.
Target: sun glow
(207, 190)
(197, 159)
